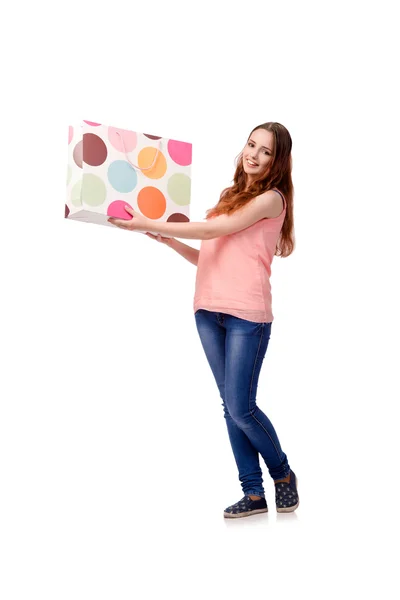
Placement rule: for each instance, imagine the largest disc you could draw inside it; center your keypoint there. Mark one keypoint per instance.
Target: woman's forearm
(193, 230)
(191, 254)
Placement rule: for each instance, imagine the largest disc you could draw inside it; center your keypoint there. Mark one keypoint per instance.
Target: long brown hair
(277, 174)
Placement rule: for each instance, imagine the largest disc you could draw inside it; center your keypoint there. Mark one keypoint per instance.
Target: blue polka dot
(122, 176)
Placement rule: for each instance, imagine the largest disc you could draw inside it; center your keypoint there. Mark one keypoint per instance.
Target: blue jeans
(235, 349)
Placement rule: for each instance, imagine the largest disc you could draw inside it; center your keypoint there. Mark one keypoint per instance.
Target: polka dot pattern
(180, 152)
(117, 210)
(93, 189)
(101, 179)
(78, 154)
(120, 138)
(146, 159)
(151, 202)
(178, 218)
(94, 150)
(122, 176)
(179, 189)
(76, 193)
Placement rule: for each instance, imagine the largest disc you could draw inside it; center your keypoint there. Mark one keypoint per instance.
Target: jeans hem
(254, 493)
(283, 477)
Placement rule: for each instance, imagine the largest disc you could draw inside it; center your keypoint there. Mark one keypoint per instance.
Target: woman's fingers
(159, 238)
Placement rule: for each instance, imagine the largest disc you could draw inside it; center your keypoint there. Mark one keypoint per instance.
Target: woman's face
(257, 153)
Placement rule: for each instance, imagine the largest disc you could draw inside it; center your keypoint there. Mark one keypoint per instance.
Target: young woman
(252, 222)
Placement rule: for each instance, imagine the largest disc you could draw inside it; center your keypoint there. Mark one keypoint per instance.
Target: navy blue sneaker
(246, 507)
(286, 496)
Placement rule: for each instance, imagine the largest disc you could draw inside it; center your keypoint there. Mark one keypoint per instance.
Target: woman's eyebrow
(261, 146)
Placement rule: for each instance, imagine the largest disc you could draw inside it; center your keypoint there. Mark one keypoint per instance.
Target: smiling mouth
(251, 164)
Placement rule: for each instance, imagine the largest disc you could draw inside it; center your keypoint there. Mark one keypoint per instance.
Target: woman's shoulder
(281, 195)
(276, 203)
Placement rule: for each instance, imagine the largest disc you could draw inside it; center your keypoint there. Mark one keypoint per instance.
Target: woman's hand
(138, 221)
(159, 238)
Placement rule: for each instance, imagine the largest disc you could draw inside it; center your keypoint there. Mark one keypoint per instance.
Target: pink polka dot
(78, 154)
(116, 209)
(70, 134)
(92, 124)
(129, 139)
(180, 152)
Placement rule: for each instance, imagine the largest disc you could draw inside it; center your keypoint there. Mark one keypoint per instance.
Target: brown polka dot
(78, 154)
(177, 218)
(94, 150)
(152, 137)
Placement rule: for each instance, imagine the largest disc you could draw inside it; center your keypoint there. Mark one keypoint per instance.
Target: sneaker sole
(248, 514)
(289, 508)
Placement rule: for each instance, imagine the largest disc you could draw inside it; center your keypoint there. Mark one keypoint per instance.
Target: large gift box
(109, 168)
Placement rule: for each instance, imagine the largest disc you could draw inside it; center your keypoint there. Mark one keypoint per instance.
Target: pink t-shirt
(233, 271)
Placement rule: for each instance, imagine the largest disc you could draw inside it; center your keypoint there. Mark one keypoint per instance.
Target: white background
(115, 460)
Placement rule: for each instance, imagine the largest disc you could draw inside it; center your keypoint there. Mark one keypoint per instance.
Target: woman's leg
(212, 332)
(246, 346)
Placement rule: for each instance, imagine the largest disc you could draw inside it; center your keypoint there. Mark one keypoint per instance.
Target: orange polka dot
(145, 160)
(151, 202)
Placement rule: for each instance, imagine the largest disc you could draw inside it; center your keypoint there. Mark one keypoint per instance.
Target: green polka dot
(76, 193)
(93, 190)
(179, 189)
(69, 174)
